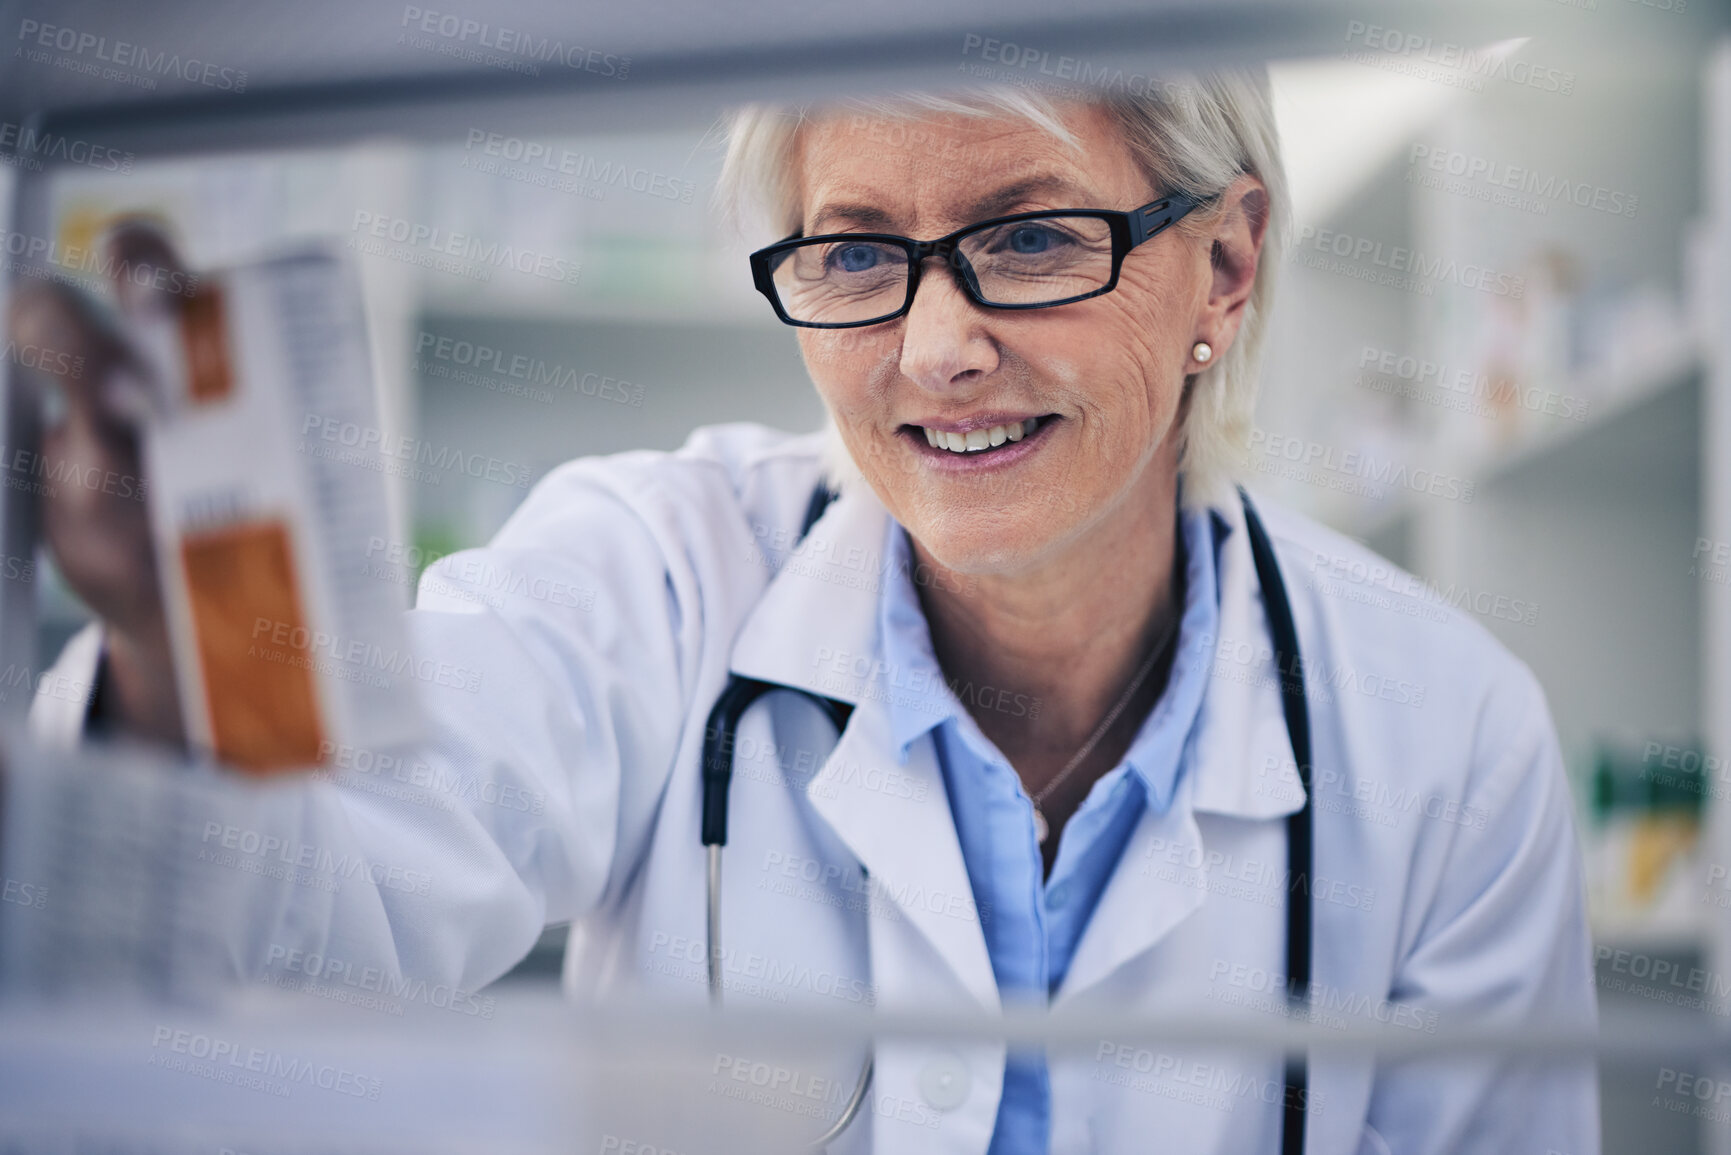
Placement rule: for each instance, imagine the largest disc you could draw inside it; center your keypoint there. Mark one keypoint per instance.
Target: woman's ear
(1235, 249)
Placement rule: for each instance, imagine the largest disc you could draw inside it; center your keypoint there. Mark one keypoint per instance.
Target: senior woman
(1016, 575)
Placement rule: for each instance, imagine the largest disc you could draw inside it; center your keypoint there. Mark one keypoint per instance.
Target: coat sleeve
(554, 667)
(1502, 941)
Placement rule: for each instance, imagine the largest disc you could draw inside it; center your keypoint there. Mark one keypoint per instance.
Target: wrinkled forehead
(926, 172)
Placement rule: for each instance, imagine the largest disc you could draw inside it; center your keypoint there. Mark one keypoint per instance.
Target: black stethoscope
(740, 693)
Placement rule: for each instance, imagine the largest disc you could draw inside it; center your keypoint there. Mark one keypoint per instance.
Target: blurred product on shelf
(1643, 832)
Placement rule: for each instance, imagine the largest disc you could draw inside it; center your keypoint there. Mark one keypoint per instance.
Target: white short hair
(1195, 134)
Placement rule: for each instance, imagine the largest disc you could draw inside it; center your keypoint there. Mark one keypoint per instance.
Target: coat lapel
(896, 820)
(816, 629)
(1238, 763)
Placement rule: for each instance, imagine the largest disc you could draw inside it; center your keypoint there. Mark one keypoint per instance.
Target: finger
(87, 466)
(146, 271)
(74, 348)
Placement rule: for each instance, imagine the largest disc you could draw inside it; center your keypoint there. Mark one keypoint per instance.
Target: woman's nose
(944, 339)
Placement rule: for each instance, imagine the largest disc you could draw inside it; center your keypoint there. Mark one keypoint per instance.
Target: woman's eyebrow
(1000, 200)
(994, 203)
(858, 215)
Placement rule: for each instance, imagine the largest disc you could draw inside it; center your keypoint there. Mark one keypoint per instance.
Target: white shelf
(1622, 393)
(1620, 398)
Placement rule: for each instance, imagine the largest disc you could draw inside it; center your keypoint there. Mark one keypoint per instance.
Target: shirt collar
(918, 699)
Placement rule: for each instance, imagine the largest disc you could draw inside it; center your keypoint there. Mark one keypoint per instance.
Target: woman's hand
(99, 534)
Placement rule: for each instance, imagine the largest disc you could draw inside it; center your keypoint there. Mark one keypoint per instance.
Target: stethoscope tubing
(740, 693)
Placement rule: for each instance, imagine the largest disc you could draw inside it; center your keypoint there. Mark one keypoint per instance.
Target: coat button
(944, 1082)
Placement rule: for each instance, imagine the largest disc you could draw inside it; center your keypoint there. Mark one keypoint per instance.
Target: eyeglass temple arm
(1160, 214)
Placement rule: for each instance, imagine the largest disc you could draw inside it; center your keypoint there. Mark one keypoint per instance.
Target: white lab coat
(605, 619)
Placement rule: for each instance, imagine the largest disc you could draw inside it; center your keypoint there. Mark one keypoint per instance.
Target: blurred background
(1498, 355)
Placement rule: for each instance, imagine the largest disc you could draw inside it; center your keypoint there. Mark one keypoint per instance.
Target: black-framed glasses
(1024, 261)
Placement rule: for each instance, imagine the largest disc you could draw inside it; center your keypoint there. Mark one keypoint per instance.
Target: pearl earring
(1202, 352)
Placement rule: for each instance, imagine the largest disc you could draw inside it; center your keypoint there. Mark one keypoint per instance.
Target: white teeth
(977, 440)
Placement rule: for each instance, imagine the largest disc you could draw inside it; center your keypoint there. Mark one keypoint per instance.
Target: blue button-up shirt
(1032, 925)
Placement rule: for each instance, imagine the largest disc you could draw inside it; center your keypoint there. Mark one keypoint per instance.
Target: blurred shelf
(721, 311)
(1653, 933)
(1642, 438)
(1632, 406)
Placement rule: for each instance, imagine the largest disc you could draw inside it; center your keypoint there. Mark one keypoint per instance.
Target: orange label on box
(204, 339)
(253, 647)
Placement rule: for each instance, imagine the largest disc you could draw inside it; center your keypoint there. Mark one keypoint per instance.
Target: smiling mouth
(981, 440)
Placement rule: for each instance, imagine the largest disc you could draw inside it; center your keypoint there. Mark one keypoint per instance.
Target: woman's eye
(854, 258)
(1031, 239)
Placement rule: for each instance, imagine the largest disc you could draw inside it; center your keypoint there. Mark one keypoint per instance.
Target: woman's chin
(980, 548)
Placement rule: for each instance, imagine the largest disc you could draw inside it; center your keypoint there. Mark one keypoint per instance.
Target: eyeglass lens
(1034, 262)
